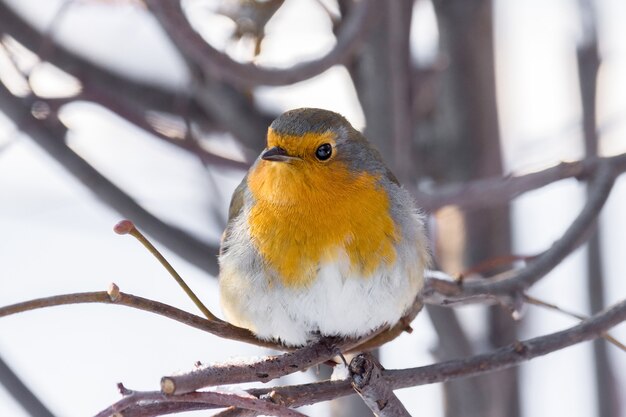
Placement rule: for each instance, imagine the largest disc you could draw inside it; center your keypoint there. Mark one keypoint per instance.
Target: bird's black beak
(277, 154)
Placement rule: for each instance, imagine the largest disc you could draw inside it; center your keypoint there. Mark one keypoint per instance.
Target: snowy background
(55, 237)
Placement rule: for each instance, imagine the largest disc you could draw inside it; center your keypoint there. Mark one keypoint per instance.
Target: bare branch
(264, 370)
(222, 67)
(236, 412)
(505, 357)
(221, 329)
(51, 137)
(493, 191)
(510, 355)
(366, 375)
(541, 265)
(211, 398)
(161, 409)
(502, 358)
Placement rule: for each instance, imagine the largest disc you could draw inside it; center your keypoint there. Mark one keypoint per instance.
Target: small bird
(321, 238)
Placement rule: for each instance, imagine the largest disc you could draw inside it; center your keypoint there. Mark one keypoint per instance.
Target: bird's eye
(324, 151)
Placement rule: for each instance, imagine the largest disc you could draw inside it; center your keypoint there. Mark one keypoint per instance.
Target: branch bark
(221, 328)
(264, 370)
(505, 357)
(366, 375)
(211, 399)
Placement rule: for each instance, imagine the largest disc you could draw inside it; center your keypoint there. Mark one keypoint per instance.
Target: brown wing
(235, 208)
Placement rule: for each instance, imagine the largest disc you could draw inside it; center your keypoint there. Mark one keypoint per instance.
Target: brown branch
(510, 355)
(449, 292)
(367, 379)
(161, 409)
(505, 357)
(499, 190)
(264, 370)
(236, 412)
(50, 135)
(171, 16)
(211, 399)
(221, 329)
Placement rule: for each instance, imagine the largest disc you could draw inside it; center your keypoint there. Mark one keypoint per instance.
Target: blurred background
(153, 110)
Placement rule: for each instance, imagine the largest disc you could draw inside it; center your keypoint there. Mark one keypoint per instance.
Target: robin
(321, 238)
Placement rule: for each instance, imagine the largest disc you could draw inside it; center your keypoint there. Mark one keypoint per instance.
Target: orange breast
(305, 213)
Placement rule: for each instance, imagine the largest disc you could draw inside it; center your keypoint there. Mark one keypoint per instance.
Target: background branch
(220, 66)
(498, 190)
(542, 264)
(21, 393)
(91, 75)
(588, 58)
(50, 135)
(212, 399)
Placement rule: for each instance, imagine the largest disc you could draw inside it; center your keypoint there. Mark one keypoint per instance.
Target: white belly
(337, 303)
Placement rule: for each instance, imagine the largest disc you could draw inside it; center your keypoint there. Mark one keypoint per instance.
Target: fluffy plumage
(332, 247)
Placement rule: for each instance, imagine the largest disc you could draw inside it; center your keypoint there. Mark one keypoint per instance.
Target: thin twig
(554, 307)
(218, 328)
(127, 227)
